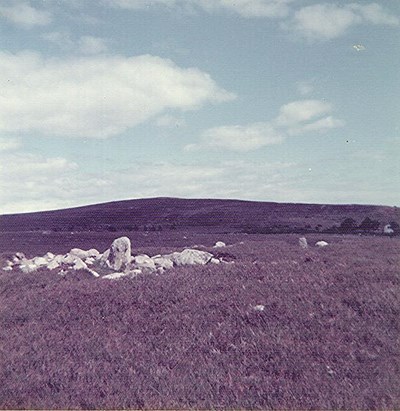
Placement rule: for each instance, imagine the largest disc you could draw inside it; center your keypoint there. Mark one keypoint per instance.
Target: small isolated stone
(259, 307)
(219, 244)
(303, 242)
(321, 244)
(7, 268)
(215, 261)
(329, 370)
(116, 276)
(388, 229)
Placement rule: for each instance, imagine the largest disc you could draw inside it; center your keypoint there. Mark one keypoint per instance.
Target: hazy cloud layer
(9, 144)
(245, 8)
(295, 118)
(84, 44)
(24, 15)
(327, 21)
(319, 21)
(48, 183)
(96, 96)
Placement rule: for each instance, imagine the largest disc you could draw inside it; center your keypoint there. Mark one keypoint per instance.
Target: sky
(269, 100)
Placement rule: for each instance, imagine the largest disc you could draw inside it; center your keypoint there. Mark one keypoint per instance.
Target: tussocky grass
(327, 338)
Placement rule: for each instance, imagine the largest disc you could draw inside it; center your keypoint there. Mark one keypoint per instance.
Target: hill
(156, 214)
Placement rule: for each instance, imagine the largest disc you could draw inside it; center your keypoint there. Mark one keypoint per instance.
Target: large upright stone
(303, 242)
(120, 254)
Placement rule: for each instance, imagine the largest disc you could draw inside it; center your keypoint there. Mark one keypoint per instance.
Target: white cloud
(97, 96)
(327, 21)
(245, 8)
(24, 15)
(324, 21)
(300, 117)
(322, 124)
(8, 144)
(239, 138)
(295, 118)
(248, 8)
(374, 13)
(302, 110)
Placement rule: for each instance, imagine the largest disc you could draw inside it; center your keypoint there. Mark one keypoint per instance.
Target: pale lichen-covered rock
(52, 265)
(116, 276)
(68, 259)
(27, 266)
(40, 261)
(119, 256)
(215, 261)
(219, 244)
(18, 257)
(321, 244)
(162, 262)
(79, 265)
(388, 230)
(77, 252)
(144, 261)
(49, 256)
(190, 257)
(303, 242)
(82, 254)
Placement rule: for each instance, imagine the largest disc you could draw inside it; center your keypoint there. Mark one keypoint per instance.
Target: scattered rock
(321, 244)
(79, 265)
(52, 265)
(116, 276)
(219, 244)
(190, 257)
(144, 261)
(39, 261)
(388, 229)
(259, 307)
(117, 258)
(162, 262)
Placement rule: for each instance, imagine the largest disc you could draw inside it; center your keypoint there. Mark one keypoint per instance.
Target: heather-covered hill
(171, 213)
(280, 328)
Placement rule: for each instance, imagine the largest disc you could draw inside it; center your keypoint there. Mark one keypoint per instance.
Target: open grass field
(326, 336)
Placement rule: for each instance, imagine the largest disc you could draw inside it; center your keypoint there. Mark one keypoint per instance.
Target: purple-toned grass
(328, 337)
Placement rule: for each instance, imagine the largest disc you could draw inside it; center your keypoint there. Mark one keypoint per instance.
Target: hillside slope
(171, 213)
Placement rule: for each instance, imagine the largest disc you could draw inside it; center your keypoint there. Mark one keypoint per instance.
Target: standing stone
(120, 254)
(303, 242)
